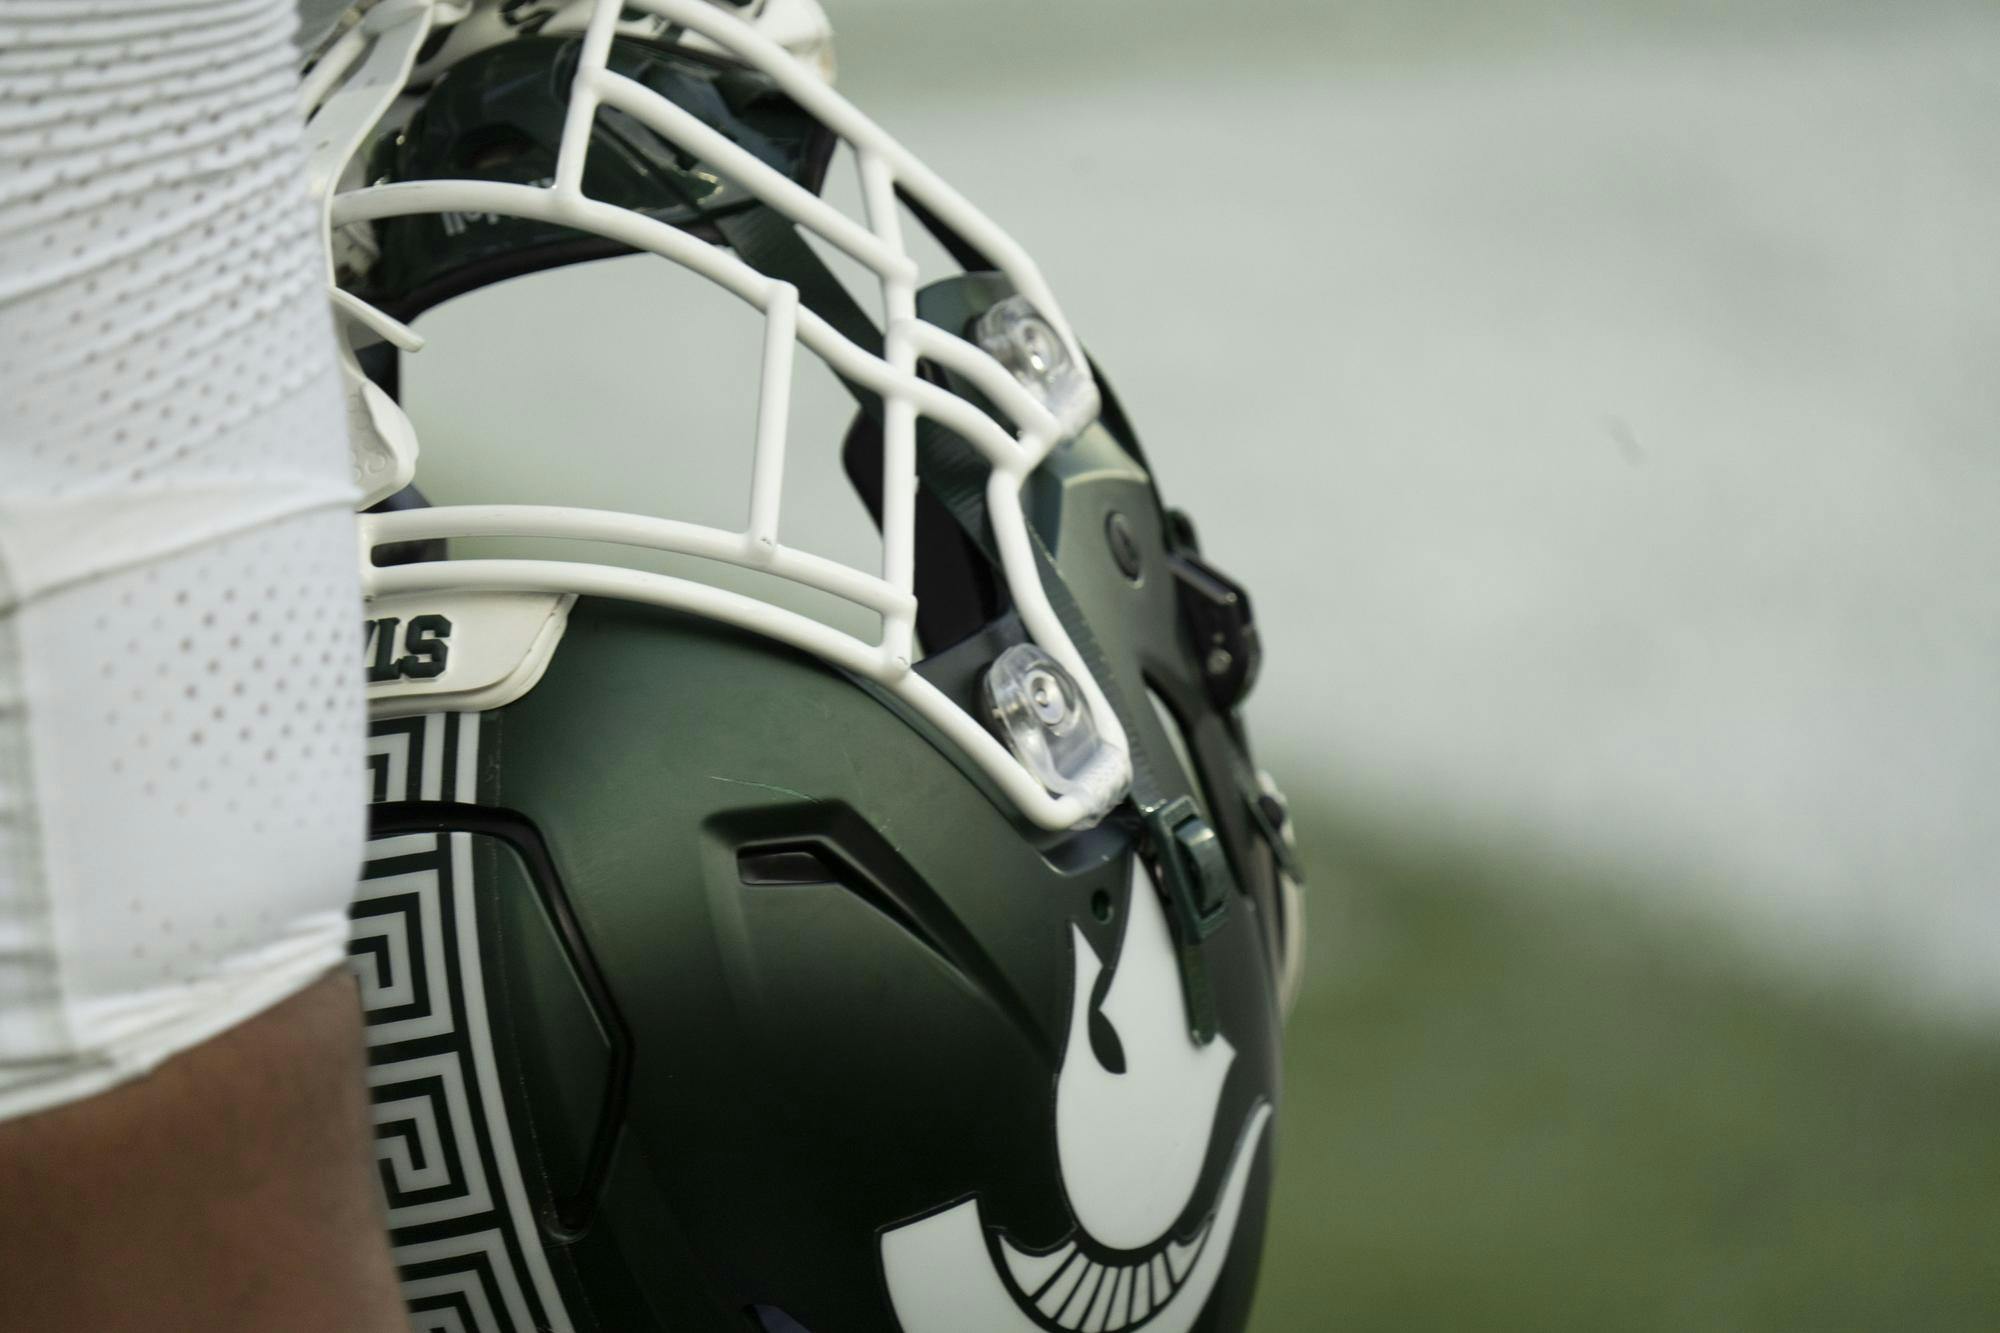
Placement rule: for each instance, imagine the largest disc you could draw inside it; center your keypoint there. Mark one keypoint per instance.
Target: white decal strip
(942, 1277)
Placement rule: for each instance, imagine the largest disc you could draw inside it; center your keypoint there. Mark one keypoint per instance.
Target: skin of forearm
(230, 1189)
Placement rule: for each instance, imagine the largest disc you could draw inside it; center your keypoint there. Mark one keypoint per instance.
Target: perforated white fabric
(180, 708)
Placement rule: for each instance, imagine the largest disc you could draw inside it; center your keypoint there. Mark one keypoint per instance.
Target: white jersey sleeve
(181, 798)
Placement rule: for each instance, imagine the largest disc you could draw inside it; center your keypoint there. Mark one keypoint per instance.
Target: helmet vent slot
(770, 867)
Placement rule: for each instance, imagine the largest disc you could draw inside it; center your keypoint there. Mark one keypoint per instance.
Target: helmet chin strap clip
(1194, 875)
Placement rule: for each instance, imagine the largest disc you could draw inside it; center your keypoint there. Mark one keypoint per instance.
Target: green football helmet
(726, 968)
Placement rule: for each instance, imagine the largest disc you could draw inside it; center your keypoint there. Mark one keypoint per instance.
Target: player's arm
(227, 1190)
(183, 1122)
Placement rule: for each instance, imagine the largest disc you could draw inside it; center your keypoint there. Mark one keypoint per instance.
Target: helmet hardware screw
(1040, 714)
(1124, 545)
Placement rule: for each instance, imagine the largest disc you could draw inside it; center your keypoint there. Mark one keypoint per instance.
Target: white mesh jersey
(180, 712)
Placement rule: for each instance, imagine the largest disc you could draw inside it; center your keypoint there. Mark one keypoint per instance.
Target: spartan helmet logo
(1136, 1103)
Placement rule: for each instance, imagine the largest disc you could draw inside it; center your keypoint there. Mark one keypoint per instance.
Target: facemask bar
(885, 167)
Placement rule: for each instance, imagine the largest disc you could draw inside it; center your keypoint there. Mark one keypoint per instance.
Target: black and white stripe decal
(459, 1219)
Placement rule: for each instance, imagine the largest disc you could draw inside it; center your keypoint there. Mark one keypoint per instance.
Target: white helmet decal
(1131, 1143)
(1131, 1146)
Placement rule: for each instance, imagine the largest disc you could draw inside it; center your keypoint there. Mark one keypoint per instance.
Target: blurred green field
(1515, 1102)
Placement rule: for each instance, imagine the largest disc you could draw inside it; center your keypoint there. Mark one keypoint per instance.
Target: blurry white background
(1600, 404)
